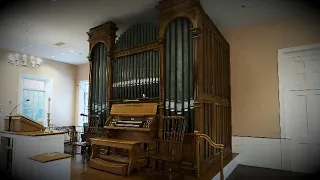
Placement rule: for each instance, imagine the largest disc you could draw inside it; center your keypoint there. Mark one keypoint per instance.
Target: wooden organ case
(182, 64)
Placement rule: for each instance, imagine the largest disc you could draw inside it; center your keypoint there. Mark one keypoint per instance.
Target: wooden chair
(167, 149)
(90, 132)
(76, 142)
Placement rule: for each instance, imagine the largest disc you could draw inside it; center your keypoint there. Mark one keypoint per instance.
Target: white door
(299, 79)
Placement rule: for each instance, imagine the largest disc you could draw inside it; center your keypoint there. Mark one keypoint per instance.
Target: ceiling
(34, 26)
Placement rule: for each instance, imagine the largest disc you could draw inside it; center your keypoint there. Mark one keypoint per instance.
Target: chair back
(170, 144)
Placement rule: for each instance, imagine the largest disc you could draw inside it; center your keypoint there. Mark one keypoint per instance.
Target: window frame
(47, 94)
(83, 107)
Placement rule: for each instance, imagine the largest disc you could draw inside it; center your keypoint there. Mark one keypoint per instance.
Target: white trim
(281, 56)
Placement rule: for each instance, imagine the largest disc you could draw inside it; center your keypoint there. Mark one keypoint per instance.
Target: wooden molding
(214, 99)
(138, 49)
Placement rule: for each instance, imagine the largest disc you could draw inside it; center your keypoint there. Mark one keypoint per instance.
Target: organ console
(129, 126)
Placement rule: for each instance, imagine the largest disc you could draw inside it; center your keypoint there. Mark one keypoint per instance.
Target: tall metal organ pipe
(179, 94)
(137, 74)
(98, 92)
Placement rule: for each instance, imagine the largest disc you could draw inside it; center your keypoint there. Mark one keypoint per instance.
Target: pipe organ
(181, 62)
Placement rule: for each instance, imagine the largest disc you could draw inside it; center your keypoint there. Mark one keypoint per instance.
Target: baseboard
(262, 152)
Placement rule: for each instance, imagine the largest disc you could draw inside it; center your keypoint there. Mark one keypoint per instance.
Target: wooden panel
(50, 157)
(143, 109)
(22, 124)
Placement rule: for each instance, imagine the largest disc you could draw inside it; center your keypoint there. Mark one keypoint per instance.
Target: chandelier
(25, 61)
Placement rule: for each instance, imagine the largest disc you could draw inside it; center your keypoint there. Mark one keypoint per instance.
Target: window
(36, 90)
(86, 100)
(83, 101)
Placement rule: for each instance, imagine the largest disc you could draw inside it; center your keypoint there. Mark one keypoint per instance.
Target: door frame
(281, 57)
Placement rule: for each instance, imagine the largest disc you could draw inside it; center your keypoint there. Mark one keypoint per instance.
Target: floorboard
(256, 173)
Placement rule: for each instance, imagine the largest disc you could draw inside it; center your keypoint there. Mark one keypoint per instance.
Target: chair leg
(170, 172)
(179, 166)
(72, 150)
(150, 168)
(84, 155)
(163, 166)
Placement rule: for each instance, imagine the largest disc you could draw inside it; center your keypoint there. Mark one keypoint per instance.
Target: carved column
(197, 79)
(161, 41)
(90, 85)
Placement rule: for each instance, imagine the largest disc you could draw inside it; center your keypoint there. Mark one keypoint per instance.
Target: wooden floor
(81, 171)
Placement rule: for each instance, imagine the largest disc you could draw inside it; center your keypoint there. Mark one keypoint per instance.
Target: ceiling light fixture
(31, 62)
(25, 61)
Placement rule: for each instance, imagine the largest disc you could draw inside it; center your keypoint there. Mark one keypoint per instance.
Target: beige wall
(82, 75)
(254, 73)
(64, 83)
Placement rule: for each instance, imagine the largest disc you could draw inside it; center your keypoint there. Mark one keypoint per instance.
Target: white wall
(82, 75)
(262, 152)
(64, 83)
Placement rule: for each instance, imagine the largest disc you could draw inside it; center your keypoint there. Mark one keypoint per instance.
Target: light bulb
(33, 64)
(17, 59)
(24, 61)
(17, 56)
(11, 57)
(39, 62)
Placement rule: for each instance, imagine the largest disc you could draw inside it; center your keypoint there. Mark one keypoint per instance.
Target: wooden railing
(218, 146)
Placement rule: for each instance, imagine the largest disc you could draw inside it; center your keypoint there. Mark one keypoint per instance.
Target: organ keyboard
(129, 128)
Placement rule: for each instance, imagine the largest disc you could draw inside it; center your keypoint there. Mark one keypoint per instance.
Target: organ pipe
(136, 74)
(179, 68)
(99, 83)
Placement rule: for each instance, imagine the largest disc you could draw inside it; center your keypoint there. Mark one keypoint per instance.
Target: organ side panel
(215, 95)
